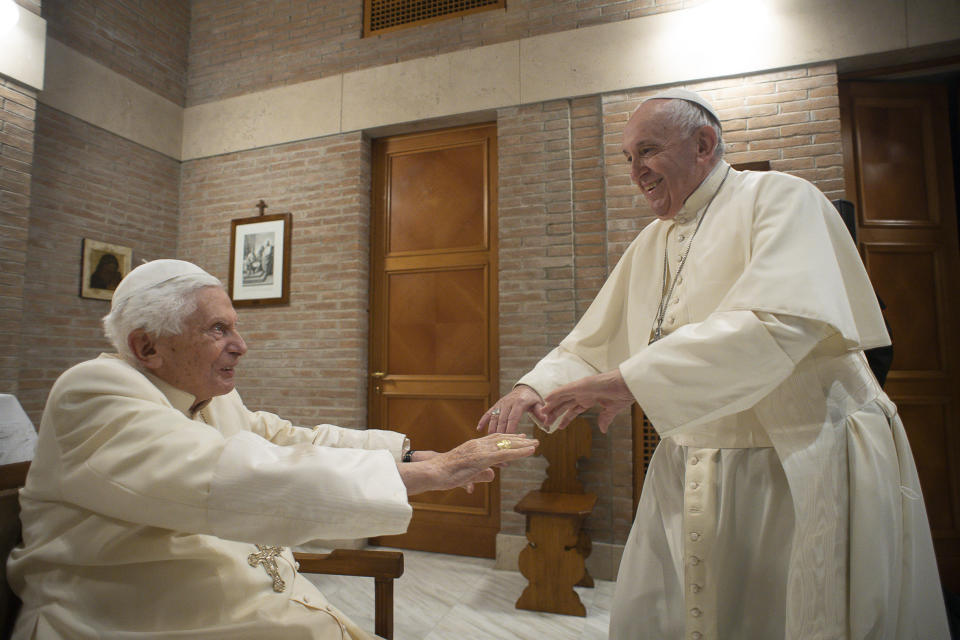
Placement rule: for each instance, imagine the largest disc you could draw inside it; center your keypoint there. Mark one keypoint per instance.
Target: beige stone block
(85, 89)
(682, 46)
(22, 50)
(265, 118)
(434, 87)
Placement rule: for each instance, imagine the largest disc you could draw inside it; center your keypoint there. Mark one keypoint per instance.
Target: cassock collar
(181, 400)
(693, 207)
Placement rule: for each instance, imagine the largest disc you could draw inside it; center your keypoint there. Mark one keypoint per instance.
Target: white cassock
(138, 518)
(783, 500)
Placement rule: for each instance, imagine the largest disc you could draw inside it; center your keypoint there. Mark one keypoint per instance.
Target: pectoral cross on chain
(267, 556)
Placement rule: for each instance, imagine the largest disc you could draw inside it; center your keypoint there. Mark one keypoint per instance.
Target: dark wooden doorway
(433, 316)
(899, 174)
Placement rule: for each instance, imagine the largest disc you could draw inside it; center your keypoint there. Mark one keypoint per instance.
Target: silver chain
(665, 299)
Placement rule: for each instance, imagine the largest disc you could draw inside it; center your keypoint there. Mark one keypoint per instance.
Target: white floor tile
(443, 597)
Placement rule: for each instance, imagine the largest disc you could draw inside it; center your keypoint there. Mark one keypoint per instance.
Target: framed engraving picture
(260, 260)
(103, 266)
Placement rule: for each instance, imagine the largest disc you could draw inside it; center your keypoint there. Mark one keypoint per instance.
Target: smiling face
(201, 360)
(667, 163)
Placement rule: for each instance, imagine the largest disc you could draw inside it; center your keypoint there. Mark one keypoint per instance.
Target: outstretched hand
(504, 416)
(466, 464)
(606, 390)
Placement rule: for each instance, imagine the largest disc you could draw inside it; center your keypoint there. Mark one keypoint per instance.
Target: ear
(144, 348)
(706, 142)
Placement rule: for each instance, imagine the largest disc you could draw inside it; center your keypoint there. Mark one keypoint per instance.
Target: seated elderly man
(152, 484)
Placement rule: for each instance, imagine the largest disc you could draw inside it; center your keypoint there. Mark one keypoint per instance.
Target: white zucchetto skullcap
(690, 96)
(151, 274)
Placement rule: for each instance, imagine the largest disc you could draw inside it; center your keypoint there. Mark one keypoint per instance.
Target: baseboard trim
(602, 563)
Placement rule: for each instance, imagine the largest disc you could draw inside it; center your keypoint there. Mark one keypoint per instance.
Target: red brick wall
(561, 168)
(144, 41)
(240, 48)
(87, 183)
(307, 361)
(18, 106)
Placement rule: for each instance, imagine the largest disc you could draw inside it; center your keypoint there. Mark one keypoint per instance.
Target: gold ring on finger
(503, 444)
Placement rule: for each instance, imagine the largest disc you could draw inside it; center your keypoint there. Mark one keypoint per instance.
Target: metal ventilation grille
(650, 440)
(385, 15)
(645, 441)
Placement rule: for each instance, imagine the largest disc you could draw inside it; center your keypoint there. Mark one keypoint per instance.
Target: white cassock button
(696, 635)
(297, 565)
(679, 278)
(675, 301)
(694, 560)
(696, 588)
(695, 612)
(681, 237)
(694, 485)
(694, 460)
(694, 536)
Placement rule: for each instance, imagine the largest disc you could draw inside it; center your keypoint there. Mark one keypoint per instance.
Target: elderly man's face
(201, 360)
(665, 163)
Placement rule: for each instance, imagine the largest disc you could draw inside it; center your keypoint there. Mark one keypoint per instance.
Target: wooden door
(433, 333)
(899, 174)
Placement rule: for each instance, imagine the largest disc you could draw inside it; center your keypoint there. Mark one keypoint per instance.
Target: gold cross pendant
(267, 556)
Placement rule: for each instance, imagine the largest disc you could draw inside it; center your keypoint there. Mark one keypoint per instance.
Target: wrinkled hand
(421, 455)
(504, 416)
(470, 462)
(606, 390)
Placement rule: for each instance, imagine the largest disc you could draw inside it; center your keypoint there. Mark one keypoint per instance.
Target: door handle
(378, 378)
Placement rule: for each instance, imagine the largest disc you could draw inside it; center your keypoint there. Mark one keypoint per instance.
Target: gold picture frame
(103, 266)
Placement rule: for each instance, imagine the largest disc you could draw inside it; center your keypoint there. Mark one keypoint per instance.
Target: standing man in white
(783, 500)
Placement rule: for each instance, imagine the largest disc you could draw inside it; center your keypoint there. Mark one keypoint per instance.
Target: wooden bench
(554, 560)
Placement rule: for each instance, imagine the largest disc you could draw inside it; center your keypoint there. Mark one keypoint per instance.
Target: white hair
(688, 117)
(159, 310)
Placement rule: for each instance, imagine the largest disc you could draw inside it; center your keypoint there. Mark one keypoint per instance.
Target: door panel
(438, 322)
(433, 333)
(458, 415)
(895, 144)
(904, 277)
(444, 186)
(899, 175)
(926, 425)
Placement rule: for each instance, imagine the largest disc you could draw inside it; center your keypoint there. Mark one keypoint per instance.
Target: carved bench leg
(584, 547)
(552, 565)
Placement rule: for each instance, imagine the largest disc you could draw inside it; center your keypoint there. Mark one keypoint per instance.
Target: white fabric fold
(289, 495)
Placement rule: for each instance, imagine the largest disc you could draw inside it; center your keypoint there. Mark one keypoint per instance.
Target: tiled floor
(442, 597)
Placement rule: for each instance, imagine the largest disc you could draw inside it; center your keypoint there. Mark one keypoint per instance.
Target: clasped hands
(608, 391)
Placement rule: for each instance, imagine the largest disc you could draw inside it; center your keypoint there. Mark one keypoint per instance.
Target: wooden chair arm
(14, 475)
(353, 562)
(382, 566)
